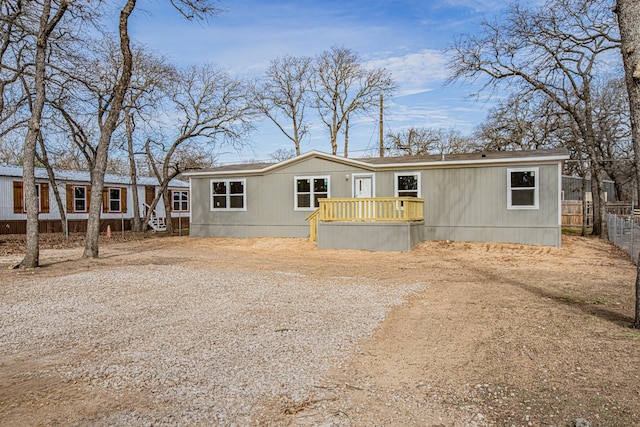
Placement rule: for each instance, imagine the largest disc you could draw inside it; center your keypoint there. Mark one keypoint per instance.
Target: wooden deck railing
(399, 209)
(313, 225)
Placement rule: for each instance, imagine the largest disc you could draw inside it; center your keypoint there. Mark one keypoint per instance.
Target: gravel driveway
(186, 346)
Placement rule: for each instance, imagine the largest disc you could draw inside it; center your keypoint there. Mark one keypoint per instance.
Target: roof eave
(510, 160)
(284, 164)
(373, 167)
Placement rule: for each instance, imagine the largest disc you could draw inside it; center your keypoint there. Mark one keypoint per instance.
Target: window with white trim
(407, 184)
(19, 197)
(180, 201)
(308, 190)
(79, 198)
(522, 188)
(228, 194)
(114, 200)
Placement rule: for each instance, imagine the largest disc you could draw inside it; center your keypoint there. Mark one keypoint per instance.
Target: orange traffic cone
(108, 231)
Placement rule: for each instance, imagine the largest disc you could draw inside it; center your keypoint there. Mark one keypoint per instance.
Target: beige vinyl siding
(270, 202)
(465, 203)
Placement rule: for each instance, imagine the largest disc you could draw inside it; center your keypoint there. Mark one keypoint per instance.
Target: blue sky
(406, 37)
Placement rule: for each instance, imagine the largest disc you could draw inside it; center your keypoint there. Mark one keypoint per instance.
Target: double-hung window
(407, 184)
(228, 194)
(114, 200)
(79, 198)
(180, 201)
(522, 188)
(308, 190)
(19, 197)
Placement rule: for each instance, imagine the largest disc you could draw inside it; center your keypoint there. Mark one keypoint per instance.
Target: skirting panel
(244, 231)
(547, 236)
(371, 236)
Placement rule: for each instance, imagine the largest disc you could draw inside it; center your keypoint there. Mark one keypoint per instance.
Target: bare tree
(343, 87)
(11, 150)
(108, 118)
(51, 14)
(285, 91)
(423, 141)
(151, 75)
(210, 108)
(282, 154)
(555, 49)
(14, 46)
(628, 12)
(109, 114)
(613, 134)
(411, 142)
(523, 121)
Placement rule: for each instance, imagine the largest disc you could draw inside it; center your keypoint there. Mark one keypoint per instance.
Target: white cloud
(415, 72)
(475, 5)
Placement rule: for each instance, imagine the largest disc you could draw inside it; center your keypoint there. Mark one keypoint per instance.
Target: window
(19, 201)
(522, 185)
(79, 199)
(407, 184)
(114, 200)
(228, 195)
(180, 201)
(308, 190)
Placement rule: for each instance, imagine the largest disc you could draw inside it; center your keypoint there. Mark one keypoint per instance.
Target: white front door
(363, 186)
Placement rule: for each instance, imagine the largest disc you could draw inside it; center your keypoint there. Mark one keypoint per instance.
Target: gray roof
(479, 156)
(242, 167)
(402, 162)
(83, 176)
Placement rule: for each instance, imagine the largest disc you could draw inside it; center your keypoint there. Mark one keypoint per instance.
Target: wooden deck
(375, 209)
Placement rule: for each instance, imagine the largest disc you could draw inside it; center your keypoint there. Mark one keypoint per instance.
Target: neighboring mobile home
(389, 203)
(75, 190)
(572, 189)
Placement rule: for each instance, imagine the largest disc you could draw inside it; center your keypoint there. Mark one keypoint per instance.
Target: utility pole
(381, 128)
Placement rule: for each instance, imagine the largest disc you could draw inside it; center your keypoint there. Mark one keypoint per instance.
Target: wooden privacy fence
(572, 212)
(397, 209)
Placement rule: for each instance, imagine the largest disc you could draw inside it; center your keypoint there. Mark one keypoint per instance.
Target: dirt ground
(501, 335)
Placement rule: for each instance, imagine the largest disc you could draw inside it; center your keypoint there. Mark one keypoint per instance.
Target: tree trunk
(106, 130)
(596, 198)
(296, 134)
(585, 205)
(597, 172)
(167, 209)
(32, 254)
(346, 137)
(44, 159)
(133, 172)
(152, 207)
(628, 12)
(333, 131)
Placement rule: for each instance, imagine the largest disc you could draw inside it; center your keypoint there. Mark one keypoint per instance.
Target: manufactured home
(75, 190)
(389, 203)
(572, 189)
